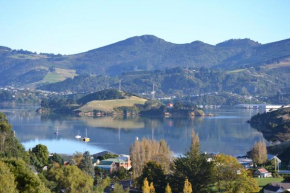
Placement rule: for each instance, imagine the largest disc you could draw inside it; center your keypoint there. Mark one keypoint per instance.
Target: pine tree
(87, 164)
(145, 187)
(168, 189)
(187, 187)
(194, 167)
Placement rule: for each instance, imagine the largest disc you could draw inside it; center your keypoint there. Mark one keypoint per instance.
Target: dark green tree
(55, 158)
(194, 167)
(87, 164)
(26, 180)
(154, 173)
(39, 156)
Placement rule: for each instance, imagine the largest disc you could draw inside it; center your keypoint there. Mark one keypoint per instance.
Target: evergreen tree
(87, 164)
(193, 167)
(153, 172)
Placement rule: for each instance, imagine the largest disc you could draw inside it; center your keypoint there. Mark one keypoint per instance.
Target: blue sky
(73, 26)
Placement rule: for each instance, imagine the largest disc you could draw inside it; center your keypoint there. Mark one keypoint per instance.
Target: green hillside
(140, 53)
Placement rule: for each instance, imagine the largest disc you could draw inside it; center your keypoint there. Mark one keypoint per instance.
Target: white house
(262, 173)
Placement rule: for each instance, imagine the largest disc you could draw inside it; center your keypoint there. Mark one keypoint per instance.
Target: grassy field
(58, 75)
(108, 105)
(264, 181)
(236, 71)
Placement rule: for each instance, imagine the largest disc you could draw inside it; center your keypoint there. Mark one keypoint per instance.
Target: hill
(20, 67)
(274, 125)
(182, 81)
(109, 106)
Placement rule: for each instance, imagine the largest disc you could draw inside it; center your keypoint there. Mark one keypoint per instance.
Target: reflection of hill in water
(114, 122)
(226, 132)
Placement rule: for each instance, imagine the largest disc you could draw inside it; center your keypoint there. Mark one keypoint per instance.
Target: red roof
(263, 170)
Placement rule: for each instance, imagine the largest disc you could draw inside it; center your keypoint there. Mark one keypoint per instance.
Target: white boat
(78, 135)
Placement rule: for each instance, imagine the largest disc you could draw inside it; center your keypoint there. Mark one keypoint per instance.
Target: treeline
(192, 172)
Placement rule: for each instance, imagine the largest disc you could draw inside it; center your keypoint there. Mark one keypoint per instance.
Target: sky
(74, 26)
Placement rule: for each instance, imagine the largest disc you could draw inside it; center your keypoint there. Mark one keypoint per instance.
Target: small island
(114, 102)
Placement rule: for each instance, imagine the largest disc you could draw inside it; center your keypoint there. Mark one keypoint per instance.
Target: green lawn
(59, 75)
(264, 181)
(236, 71)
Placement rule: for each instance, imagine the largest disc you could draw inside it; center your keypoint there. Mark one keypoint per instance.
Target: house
(274, 157)
(262, 173)
(276, 187)
(246, 162)
(113, 164)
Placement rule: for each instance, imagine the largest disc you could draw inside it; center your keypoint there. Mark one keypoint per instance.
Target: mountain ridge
(139, 53)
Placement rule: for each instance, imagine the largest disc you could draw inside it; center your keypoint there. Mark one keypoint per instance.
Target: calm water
(227, 131)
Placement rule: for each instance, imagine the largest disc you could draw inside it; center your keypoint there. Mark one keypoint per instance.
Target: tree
(9, 144)
(7, 184)
(168, 189)
(153, 172)
(26, 180)
(149, 150)
(118, 188)
(187, 187)
(152, 189)
(87, 164)
(259, 152)
(193, 167)
(39, 156)
(77, 157)
(121, 173)
(70, 178)
(55, 158)
(145, 187)
(232, 177)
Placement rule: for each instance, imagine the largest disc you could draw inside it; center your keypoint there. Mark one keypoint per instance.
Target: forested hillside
(181, 81)
(141, 53)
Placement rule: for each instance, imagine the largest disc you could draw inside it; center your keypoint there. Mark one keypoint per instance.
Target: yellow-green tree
(7, 184)
(152, 189)
(187, 187)
(145, 187)
(168, 189)
(232, 177)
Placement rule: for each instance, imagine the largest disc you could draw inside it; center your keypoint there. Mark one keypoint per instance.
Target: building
(275, 187)
(113, 164)
(260, 106)
(262, 173)
(246, 162)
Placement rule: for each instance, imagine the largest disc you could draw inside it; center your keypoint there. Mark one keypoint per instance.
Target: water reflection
(225, 132)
